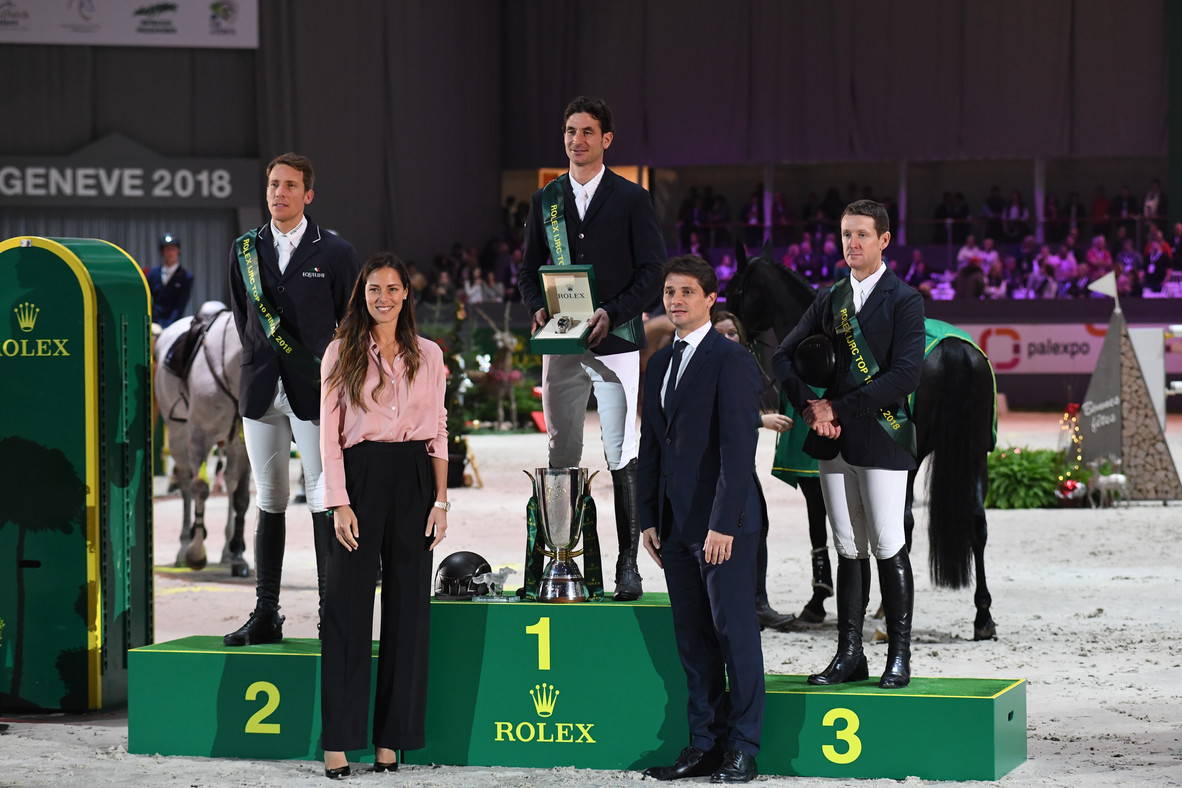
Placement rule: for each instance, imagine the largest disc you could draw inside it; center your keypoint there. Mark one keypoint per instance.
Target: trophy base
(562, 582)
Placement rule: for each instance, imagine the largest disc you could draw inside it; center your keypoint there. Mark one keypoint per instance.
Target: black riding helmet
(454, 577)
(168, 239)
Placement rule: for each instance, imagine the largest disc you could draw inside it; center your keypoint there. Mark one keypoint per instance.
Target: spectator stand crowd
(1126, 235)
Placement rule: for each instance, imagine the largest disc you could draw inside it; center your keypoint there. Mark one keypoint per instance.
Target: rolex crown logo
(545, 696)
(26, 315)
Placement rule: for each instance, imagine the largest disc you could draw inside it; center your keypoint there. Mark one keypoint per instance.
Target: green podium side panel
(195, 696)
(595, 685)
(75, 433)
(940, 729)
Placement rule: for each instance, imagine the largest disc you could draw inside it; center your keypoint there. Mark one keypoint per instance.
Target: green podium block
(196, 696)
(940, 729)
(594, 685)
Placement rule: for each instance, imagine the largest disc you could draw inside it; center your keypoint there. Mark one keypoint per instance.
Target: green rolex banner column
(75, 485)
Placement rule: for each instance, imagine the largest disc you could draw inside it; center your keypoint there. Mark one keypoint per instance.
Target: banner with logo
(220, 24)
(1053, 348)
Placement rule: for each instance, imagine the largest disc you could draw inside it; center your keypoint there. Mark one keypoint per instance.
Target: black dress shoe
(265, 626)
(736, 767)
(691, 763)
(770, 618)
(338, 773)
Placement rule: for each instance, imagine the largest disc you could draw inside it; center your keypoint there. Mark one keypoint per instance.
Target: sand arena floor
(1087, 604)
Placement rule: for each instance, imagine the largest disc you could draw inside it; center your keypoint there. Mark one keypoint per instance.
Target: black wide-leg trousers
(391, 489)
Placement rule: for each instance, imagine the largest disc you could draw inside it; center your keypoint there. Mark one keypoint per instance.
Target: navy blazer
(169, 300)
(619, 236)
(310, 296)
(699, 452)
(892, 322)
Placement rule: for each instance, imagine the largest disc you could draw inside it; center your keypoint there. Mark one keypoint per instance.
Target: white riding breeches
(567, 383)
(865, 508)
(268, 445)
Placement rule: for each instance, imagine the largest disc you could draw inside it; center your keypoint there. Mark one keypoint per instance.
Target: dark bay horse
(954, 408)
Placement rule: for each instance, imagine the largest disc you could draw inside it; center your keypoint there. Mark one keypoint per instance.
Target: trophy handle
(534, 483)
(587, 485)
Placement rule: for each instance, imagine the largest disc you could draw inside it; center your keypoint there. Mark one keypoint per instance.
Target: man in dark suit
(609, 224)
(290, 282)
(700, 509)
(169, 283)
(862, 434)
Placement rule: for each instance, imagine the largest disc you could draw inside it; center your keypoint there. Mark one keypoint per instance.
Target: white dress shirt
(286, 243)
(166, 272)
(863, 289)
(585, 192)
(692, 340)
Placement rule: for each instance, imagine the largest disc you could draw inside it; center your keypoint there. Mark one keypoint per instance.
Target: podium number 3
(255, 724)
(542, 630)
(853, 744)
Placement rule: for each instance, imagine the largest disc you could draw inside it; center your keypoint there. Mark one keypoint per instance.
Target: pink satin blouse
(400, 413)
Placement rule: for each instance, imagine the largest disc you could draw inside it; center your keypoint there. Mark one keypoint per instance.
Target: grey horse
(200, 411)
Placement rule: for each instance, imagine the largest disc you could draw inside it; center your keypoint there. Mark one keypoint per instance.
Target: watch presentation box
(570, 300)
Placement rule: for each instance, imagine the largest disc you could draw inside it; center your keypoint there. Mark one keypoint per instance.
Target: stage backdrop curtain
(398, 104)
(768, 81)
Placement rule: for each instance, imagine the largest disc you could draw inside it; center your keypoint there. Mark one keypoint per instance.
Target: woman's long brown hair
(354, 333)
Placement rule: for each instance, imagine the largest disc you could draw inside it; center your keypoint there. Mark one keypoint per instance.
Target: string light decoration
(1071, 488)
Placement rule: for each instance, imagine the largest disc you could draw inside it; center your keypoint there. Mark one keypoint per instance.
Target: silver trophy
(560, 493)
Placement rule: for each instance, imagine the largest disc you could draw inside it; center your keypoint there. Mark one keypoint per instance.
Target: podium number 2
(542, 630)
(255, 724)
(853, 744)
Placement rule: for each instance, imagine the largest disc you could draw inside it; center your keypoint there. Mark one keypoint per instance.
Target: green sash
(301, 360)
(554, 215)
(863, 365)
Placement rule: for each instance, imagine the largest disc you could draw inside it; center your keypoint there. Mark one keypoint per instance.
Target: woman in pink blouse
(383, 439)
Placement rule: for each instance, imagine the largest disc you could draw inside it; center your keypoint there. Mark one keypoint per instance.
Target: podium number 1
(853, 744)
(255, 724)
(542, 630)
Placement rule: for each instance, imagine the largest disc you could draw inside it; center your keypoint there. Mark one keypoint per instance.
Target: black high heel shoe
(379, 767)
(339, 773)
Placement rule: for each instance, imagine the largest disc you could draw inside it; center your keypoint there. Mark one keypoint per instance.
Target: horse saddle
(179, 358)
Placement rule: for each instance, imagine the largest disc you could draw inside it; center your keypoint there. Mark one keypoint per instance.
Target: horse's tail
(959, 437)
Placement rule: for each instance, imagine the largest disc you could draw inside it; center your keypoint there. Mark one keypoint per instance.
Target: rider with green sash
(862, 433)
(592, 216)
(289, 287)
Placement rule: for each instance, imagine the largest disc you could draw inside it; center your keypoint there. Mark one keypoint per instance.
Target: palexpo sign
(116, 171)
(1053, 348)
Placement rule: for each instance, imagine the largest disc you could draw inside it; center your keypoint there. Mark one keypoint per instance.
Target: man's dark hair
(295, 161)
(692, 265)
(595, 107)
(875, 210)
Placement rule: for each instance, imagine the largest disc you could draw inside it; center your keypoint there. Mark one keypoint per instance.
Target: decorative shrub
(1025, 478)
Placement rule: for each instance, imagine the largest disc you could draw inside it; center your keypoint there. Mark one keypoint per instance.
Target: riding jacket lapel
(606, 186)
(878, 296)
(309, 246)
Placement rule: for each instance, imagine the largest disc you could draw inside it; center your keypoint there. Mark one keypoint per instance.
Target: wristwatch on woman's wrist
(444, 505)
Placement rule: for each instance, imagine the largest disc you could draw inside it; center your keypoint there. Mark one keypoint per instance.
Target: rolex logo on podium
(26, 316)
(561, 495)
(544, 696)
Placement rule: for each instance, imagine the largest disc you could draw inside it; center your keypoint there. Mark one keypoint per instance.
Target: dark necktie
(674, 366)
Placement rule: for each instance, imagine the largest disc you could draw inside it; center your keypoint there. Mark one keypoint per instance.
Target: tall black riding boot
(265, 625)
(898, 598)
(814, 610)
(322, 535)
(628, 578)
(849, 664)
